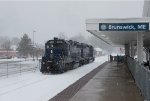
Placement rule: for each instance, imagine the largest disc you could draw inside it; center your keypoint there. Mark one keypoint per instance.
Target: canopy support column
(127, 50)
(140, 47)
(132, 50)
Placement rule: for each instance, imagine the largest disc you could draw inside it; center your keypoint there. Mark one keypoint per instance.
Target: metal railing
(141, 76)
(8, 68)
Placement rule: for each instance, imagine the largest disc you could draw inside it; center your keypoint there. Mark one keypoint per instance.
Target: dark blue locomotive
(62, 55)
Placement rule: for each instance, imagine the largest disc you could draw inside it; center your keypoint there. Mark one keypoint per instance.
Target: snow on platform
(38, 87)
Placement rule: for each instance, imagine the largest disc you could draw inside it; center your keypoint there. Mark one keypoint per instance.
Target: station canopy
(118, 32)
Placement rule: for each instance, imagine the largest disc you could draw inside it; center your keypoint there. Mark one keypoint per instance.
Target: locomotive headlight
(43, 62)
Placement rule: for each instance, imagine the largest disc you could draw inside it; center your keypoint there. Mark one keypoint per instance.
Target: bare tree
(61, 35)
(5, 43)
(15, 41)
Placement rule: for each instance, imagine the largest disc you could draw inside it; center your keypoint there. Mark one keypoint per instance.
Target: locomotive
(62, 55)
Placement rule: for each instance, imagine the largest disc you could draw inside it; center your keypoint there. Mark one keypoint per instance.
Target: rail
(141, 76)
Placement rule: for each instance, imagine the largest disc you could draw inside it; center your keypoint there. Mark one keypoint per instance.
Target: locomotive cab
(55, 53)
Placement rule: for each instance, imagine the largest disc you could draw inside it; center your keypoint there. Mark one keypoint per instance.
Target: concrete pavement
(113, 83)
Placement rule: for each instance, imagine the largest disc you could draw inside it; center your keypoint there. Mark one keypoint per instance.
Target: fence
(8, 67)
(141, 75)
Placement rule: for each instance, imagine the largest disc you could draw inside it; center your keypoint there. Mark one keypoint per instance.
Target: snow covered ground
(14, 60)
(13, 66)
(38, 87)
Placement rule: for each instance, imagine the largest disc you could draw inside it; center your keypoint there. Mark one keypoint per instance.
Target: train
(61, 55)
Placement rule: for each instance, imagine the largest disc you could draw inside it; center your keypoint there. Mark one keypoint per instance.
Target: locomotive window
(51, 42)
(47, 46)
(59, 42)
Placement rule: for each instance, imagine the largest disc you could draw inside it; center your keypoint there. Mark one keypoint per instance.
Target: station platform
(112, 82)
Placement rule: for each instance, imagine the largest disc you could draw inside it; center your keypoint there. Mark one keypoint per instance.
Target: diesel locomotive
(62, 55)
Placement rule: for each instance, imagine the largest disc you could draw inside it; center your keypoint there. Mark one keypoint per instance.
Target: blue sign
(123, 26)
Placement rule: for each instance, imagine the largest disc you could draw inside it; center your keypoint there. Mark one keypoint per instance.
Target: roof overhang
(118, 37)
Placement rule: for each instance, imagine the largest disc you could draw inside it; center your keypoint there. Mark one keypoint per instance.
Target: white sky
(49, 18)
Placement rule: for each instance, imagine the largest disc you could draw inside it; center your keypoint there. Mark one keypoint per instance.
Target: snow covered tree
(25, 46)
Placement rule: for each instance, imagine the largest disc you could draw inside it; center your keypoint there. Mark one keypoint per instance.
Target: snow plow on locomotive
(62, 55)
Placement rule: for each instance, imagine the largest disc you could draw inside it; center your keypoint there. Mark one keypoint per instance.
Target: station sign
(123, 26)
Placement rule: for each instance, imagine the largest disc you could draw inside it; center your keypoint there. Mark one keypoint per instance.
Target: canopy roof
(118, 32)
